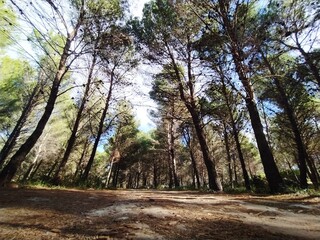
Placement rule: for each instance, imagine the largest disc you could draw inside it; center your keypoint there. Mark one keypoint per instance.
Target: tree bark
(189, 102)
(85, 175)
(155, 175)
(314, 175)
(115, 175)
(272, 173)
(229, 160)
(235, 170)
(270, 168)
(214, 182)
(11, 168)
(186, 135)
(171, 151)
(73, 136)
(284, 102)
(313, 68)
(83, 154)
(11, 141)
(236, 135)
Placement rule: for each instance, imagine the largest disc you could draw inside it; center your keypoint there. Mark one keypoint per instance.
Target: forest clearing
(231, 93)
(43, 213)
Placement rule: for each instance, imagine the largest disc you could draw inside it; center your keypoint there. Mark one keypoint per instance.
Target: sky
(139, 95)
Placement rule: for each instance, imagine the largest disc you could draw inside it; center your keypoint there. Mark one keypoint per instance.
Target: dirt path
(120, 214)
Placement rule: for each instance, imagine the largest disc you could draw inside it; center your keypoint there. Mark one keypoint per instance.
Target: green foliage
(131, 143)
(165, 26)
(14, 85)
(235, 190)
(164, 89)
(112, 9)
(158, 19)
(7, 24)
(260, 184)
(290, 178)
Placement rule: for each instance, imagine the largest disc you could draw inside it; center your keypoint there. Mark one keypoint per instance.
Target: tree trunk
(137, 179)
(155, 174)
(115, 175)
(235, 171)
(313, 68)
(214, 182)
(73, 136)
(11, 141)
(270, 168)
(144, 180)
(109, 173)
(195, 169)
(236, 136)
(11, 168)
(284, 102)
(170, 176)
(33, 172)
(314, 175)
(85, 175)
(171, 150)
(265, 119)
(189, 102)
(229, 160)
(35, 161)
(83, 154)
(169, 159)
(187, 138)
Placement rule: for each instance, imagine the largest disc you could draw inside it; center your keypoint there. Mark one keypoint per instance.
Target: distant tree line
(236, 85)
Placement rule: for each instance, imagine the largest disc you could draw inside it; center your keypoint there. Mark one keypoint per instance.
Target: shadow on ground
(119, 214)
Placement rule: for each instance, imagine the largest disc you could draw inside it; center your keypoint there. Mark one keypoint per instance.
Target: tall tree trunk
(313, 68)
(189, 102)
(35, 170)
(235, 134)
(11, 168)
(270, 168)
(73, 136)
(109, 173)
(186, 135)
(314, 175)
(115, 175)
(85, 175)
(284, 102)
(11, 141)
(171, 150)
(35, 161)
(155, 174)
(83, 154)
(137, 179)
(170, 175)
(194, 166)
(195, 169)
(214, 182)
(265, 119)
(229, 160)
(144, 179)
(235, 170)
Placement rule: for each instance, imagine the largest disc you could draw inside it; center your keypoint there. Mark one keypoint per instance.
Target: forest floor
(39, 213)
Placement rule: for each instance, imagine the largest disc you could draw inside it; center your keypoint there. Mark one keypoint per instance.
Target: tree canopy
(235, 84)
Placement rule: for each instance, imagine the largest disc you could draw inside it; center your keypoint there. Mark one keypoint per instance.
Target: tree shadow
(66, 214)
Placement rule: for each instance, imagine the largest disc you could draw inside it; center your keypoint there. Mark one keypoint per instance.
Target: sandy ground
(139, 214)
